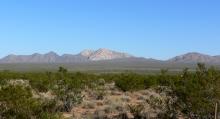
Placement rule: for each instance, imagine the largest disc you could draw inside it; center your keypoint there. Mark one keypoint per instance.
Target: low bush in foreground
(17, 102)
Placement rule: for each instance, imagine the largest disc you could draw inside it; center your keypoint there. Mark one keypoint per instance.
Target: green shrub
(16, 101)
(197, 92)
(40, 85)
(68, 91)
(130, 82)
(150, 81)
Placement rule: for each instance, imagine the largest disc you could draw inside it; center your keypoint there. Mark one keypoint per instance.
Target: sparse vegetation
(48, 95)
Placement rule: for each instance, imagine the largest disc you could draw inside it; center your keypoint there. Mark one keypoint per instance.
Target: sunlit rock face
(106, 54)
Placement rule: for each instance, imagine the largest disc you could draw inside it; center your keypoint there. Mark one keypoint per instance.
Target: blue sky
(151, 28)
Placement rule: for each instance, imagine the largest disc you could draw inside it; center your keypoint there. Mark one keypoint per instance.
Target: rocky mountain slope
(104, 54)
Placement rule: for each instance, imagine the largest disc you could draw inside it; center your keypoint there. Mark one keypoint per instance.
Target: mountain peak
(106, 54)
(104, 49)
(11, 55)
(193, 53)
(86, 52)
(51, 53)
(193, 57)
(103, 54)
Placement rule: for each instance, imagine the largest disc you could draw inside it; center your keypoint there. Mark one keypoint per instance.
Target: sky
(157, 29)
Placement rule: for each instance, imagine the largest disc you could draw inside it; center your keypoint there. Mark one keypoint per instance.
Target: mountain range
(52, 57)
(104, 54)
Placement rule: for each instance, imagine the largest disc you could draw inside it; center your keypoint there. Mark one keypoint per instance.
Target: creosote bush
(130, 82)
(17, 102)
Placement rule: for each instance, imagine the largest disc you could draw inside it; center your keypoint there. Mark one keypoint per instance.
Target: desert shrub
(49, 106)
(67, 98)
(45, 115)
(2, 82)
(150, 81)
(130, 82)
(16, 101)
(48, 109)
(137, 111)
(68, 90)
(197, 92)
(98, 87)
(165, 79)
(40, 85)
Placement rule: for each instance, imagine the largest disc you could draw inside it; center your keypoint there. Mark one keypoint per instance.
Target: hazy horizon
(152, 29)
